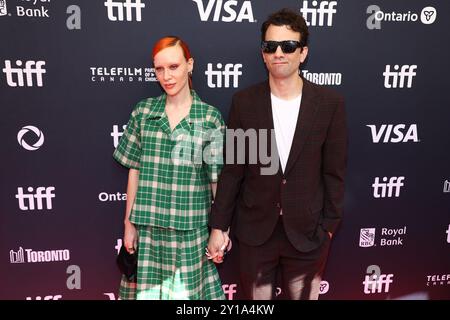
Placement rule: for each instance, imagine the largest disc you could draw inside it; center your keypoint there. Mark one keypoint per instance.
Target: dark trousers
(300, 271)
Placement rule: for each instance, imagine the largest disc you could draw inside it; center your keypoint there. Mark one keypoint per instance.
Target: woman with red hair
(173, 148)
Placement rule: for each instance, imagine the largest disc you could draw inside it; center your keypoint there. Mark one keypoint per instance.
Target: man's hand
(218, 242)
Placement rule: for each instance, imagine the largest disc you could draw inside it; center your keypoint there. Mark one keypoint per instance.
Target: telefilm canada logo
(438, 280)
(122, 74)
(27, 8)
(379, 17)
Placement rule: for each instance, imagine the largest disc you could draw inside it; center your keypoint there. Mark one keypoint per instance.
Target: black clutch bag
(127, 263)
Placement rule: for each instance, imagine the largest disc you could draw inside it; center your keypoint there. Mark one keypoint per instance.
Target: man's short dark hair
(290, 18)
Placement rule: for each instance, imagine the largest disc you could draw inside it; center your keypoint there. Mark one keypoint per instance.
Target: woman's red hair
(171, 41)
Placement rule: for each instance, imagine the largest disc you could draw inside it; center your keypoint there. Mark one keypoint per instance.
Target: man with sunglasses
(284, 221)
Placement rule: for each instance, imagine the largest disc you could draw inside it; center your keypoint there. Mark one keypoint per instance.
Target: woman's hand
(130, 237)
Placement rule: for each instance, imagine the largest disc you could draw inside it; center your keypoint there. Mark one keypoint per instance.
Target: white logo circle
(324, 287)
(428, 15)
(24, 144)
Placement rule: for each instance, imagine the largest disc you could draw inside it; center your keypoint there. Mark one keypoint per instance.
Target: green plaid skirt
(172, 266)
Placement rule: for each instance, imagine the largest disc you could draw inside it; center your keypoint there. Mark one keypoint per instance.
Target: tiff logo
(395, 183)
(116, 134)
(326, 9)
(41, 193)
(127, 6)
(446, 186)
(396, 79)
(448, 234)
(230, 9)
(229, 290)
(215, 77)
(393, 133)
(17, 257)
(3, 10)
(375, 282)
(31, 68)
(367, 237)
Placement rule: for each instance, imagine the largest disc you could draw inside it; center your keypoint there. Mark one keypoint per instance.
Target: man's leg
(302, 272)
(258, 267)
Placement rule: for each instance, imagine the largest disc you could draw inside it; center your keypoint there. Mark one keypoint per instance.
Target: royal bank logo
(3, 8)
(324, 79)
(388, 237)
(320, 13)
(225, 10)
(122, 74)
(27, 8)
(367, 237)
(32, 133)
(377, 16)
(118, 10)
(33, 256)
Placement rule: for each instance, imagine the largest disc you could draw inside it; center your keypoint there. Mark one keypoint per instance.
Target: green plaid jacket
(176, 168)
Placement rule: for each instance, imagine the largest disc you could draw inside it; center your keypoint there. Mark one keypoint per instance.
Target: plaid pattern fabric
(175, 167)
(172, 266)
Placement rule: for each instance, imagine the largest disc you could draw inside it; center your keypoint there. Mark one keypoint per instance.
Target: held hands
(130, 237)
(219, 243)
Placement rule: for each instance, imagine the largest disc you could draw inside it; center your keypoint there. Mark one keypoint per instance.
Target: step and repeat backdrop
(71, 72)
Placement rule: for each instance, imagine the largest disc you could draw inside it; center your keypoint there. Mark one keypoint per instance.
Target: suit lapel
(265, 116)
(266, 121)
(308, 108)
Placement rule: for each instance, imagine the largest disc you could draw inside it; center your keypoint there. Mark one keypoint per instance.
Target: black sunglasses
(287, 46)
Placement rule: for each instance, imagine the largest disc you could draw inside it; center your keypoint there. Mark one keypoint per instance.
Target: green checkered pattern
(175, 167)
(172, 266)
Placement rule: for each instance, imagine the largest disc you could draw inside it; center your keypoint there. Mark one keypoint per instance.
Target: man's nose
(279, 52)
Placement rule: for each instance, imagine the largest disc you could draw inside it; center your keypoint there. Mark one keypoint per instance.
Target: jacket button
(283, 181)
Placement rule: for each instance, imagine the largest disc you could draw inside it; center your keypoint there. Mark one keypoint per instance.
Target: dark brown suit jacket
(311, 190)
